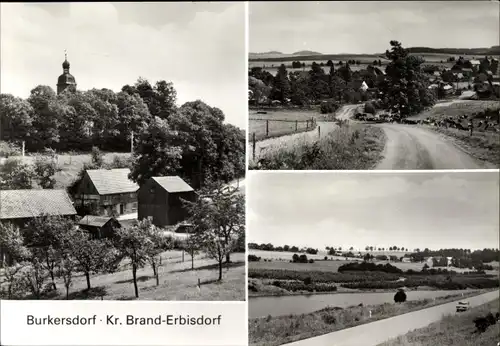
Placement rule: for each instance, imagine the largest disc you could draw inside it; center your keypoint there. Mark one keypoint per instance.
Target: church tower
(66, 80)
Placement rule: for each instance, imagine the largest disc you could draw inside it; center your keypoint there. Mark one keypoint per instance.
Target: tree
(44, 234)
(16, 118)
(91, 255)
(192, 247)
(45, 168)
(155, 246)
(34, 276)
(133, 243)
(97, 158)
(281, 85)
(14, 175)
(400, 296)
(218, 217)
(67, 270)
(12, 244)
(16, 288)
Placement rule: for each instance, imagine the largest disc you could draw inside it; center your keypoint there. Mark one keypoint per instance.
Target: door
(121, 209)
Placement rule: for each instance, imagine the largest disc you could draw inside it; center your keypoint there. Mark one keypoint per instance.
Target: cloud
(203, 55)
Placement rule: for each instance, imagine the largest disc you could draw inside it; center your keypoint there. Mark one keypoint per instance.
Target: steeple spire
(65, 64)
(65, 55)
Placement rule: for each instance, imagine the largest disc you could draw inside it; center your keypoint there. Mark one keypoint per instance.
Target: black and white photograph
(122, 151)
(373, 259)
(384, 85)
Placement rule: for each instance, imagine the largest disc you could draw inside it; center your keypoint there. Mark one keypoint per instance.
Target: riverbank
(273, 331)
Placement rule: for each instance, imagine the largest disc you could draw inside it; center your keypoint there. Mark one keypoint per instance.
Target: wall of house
(177, 211)
(152, 202)
(110, 204)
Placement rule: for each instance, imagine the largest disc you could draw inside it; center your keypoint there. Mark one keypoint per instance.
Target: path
(345, 112)
(412, 147)
(374, 333)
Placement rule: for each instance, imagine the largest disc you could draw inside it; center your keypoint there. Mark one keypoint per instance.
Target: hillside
(306, 53)
(494, 50)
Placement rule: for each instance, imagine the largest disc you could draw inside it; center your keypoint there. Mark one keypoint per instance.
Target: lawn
(456, 329)
(272, 331)
(177, 281)
(277, 123)
(354, 147)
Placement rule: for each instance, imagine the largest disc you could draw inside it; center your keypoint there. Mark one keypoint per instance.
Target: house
(20, 206)
(406, 259)
(108, 192)
(448, 89)
(160, 198)
(99, 226)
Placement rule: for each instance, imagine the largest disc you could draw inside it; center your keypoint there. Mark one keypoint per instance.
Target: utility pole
(132, 143)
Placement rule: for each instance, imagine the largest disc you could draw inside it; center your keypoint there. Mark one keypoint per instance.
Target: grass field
(349, 147)
(273, 124)
(457, 108)
(453, 330)
(286, 255)
(71, 165)
(272, 331)
(177, 281)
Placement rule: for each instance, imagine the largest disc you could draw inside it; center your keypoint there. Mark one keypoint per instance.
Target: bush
(253, 258)
(307, 281)
(328, 107)
(370, 108)
(400, 296)
(9, 149)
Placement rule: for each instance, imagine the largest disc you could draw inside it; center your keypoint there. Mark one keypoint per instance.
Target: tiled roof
(16, 204)
(96, 221)
(112, 181)
(173, 184)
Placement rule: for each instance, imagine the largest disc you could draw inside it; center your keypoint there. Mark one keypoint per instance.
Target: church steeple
(66, 80)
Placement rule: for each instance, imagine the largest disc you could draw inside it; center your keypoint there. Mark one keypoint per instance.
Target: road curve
(412, 147)
(374, 333)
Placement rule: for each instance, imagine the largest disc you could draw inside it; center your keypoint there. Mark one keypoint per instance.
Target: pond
(301, 304)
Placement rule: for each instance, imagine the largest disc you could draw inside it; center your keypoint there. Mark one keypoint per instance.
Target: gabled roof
(95, 221)
(18, 204)
(112, 181)
(173, 184)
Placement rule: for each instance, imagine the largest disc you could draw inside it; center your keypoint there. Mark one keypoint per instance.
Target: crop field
(327, 266)
(457, 108)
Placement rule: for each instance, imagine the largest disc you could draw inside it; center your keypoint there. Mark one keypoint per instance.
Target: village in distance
(123, 193)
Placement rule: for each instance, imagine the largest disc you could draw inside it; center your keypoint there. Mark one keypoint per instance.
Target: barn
(160, 198)
(108, 192)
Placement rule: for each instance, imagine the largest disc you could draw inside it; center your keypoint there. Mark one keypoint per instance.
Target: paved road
(412, 147)
(374, 333)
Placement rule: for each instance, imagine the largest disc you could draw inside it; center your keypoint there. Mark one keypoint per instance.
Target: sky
(411, 210)
(368, 26)
(200, 47)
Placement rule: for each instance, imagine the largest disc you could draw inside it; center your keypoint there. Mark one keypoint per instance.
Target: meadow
(456, 329)
(70, 165)
(177, 281)
(272, 331)
(275, 123)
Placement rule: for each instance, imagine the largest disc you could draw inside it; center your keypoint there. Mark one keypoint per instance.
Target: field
(177, 281)
(271, 331)
(321, 254)
(296, 121)
(70, 165)
(456, 109)
(453, 330)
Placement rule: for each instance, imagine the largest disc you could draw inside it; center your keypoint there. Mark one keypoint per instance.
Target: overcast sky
(433, 210)
(368, 26)
(200, 47)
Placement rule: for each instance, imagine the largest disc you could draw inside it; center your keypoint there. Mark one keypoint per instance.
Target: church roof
(66, 78)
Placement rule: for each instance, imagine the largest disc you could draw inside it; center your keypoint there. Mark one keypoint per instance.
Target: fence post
(253, 146)
(267, 128)
(199, 283)
(23, 148)
(319, 131)
(296, 125)
(307, 124)
(182, 255)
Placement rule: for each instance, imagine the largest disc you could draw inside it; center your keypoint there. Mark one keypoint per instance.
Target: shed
(160, 198)
(99, 226)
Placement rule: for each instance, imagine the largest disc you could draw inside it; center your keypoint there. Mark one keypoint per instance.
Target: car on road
(462, 306)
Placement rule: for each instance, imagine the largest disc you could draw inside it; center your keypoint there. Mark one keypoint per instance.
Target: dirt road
(412, 147)
(374, 333)
(344, 113)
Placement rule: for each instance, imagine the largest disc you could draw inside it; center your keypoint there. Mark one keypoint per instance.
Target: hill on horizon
(309, 55)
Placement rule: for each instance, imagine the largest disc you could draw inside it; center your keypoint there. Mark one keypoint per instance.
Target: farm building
(405, 259)
(20, 206)
(160, 198)
(99, 226)
(108, 192)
